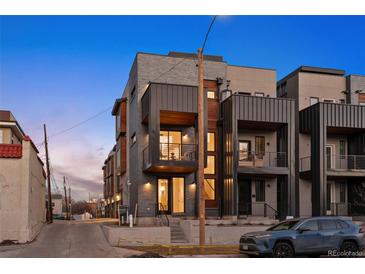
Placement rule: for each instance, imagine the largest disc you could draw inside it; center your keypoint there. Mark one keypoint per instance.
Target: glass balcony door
(170, 145)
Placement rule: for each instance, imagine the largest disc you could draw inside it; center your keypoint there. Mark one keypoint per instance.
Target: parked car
(310, 236)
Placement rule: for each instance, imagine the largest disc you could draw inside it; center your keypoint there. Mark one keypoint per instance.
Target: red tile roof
(10, 151)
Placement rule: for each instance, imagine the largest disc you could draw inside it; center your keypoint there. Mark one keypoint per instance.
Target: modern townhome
(112, 193)
(249, 135)
(22, 183)
(330, 139)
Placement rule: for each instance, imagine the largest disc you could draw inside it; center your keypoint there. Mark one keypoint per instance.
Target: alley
(64, 239)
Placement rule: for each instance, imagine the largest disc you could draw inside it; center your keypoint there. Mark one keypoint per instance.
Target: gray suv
(310, 236)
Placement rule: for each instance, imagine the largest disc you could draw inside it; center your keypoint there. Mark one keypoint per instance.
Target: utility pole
(70, 205)
(201, 158)
(66, 203)
(50, 213)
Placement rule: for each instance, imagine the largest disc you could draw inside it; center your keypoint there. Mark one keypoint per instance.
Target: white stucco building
(22, 183)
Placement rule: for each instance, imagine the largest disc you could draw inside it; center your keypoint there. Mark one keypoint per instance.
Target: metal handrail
(266, 206)
(188, 155)
(265, 159)
(335, 211)
(158, 212)
(338, 161)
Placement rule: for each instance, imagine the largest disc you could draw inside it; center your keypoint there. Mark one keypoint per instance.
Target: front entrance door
(171, 195)
(244, 197)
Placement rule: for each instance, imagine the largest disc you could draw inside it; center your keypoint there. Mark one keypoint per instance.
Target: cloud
(79, 156)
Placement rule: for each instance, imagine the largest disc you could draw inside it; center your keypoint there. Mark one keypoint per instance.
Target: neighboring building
(112, 193)
(57, 202)
(330, 139)
(22, 183)
(250, 141)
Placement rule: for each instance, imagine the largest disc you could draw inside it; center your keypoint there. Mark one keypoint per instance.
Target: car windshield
(284, 225)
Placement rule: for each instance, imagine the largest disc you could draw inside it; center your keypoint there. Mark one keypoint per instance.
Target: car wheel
(283, 250)
(349, 247)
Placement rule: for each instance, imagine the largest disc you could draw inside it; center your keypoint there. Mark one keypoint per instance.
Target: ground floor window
(171, 194)
(260, 190)
(178, 196)
(342, 193)
(209, 189)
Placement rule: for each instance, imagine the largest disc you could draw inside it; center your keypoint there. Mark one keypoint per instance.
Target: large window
(260, 146)
(178, 195)
(1, 137)
(210, 169)
(209, 189)
(260, 191)
(163, 194)
(211, 141)
(170, 145)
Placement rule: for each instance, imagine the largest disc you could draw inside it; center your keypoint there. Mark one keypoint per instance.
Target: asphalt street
(64, 239)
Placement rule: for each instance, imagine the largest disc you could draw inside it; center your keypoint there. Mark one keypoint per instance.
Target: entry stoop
(177, 234)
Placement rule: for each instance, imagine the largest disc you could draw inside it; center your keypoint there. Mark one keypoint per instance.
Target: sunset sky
(62, 70)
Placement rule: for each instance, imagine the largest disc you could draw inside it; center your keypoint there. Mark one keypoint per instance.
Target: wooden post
(201, 159)
(66, 203)
(69, 201)
(50, 213)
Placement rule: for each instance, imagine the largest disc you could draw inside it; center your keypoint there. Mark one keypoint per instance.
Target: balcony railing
(337, 162)
(267, 159)
(172, 152)
(346, 162)
(339, 209)
(259, 209)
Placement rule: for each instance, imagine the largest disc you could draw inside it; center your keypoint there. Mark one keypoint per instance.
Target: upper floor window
(133, 93)
(259, 94)
(362, 99)
(211, 141)
(1, 137)
(211, 94)
(329, 100)
(210, 169)
(313, 100)
(244, 93)
(134, 138)
(260, 146)
(117, 121)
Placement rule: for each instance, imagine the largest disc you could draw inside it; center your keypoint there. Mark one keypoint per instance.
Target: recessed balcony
(172, 158)
(262, 162)
(338, 165)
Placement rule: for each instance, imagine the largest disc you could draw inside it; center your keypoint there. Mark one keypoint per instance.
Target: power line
(76, 125)
(206, 35)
